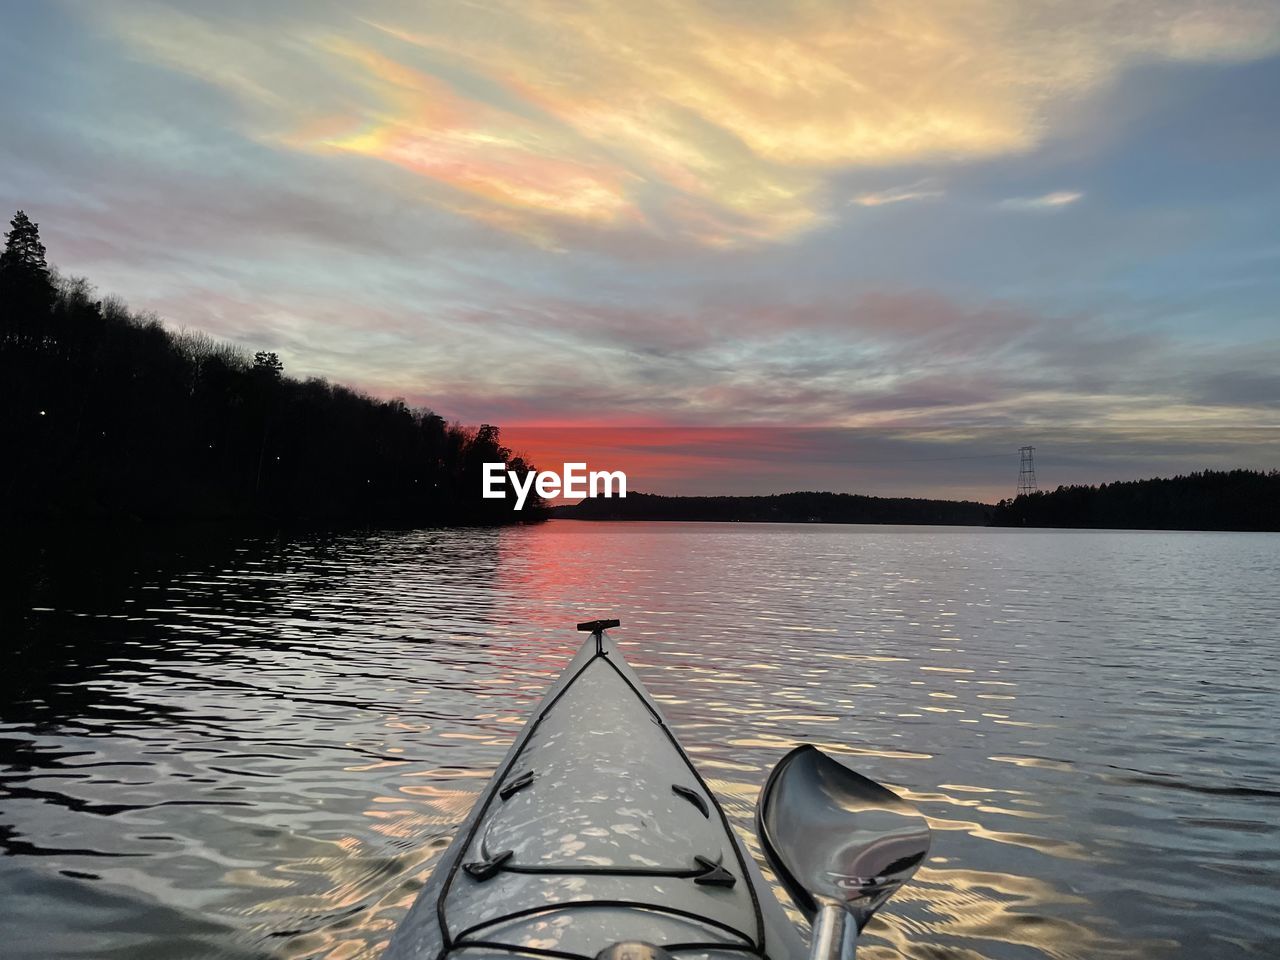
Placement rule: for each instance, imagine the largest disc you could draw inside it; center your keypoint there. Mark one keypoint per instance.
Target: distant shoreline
(1227, 501)
(800, 507)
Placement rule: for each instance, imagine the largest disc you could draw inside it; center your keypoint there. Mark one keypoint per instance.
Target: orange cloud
(476, 149)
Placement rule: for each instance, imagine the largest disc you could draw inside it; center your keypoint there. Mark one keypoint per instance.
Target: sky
(731, 246)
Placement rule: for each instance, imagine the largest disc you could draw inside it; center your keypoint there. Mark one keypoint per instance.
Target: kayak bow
(595, 830)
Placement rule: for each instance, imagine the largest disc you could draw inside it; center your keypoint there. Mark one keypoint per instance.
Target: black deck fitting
(484, 869)
(714, 875)
(595, 626)
(693, 797)
(514, 786)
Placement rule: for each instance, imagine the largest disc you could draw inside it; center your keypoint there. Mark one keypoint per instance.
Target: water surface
(261, 754)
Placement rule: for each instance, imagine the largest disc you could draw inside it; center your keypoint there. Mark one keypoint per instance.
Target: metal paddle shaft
(833, 936)
(840, 843)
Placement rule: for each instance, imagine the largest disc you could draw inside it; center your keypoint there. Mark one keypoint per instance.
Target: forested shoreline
(109, 416)
(800, 507)
(1206, 500)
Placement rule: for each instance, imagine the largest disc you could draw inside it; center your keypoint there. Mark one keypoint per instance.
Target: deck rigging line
(449, 941)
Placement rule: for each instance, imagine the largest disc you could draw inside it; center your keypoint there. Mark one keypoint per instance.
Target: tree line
(1208, 500)
(800, 507)
(109, 415)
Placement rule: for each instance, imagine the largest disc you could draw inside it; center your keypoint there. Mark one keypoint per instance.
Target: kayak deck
(595, 829)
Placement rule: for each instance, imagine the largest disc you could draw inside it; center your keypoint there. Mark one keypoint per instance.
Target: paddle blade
(832, 835)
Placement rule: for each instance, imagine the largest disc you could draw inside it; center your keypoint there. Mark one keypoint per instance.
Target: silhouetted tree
(26, 289)
(23, 251)
(267, 366)
(267, 371)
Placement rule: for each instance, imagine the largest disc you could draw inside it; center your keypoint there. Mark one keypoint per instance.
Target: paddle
(840, 843)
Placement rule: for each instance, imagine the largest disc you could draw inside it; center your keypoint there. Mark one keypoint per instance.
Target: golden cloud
(721, 123)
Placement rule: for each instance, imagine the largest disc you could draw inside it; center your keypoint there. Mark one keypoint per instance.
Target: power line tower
(1026, 471)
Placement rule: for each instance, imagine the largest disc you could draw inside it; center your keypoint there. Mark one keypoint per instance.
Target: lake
(261, 751)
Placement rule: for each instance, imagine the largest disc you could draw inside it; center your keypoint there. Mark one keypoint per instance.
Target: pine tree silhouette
(26, 288)
(23, 252)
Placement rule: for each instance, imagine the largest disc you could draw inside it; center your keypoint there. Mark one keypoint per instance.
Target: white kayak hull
(596, 829)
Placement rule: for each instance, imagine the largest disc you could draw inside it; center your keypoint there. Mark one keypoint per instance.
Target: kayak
(596, 837)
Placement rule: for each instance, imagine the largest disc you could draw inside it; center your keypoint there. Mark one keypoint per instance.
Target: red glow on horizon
(662, 458)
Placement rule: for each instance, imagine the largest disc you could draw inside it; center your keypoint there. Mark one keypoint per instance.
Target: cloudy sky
(926, 233)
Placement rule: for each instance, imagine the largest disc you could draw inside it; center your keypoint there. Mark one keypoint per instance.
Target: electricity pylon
(1026, 471)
